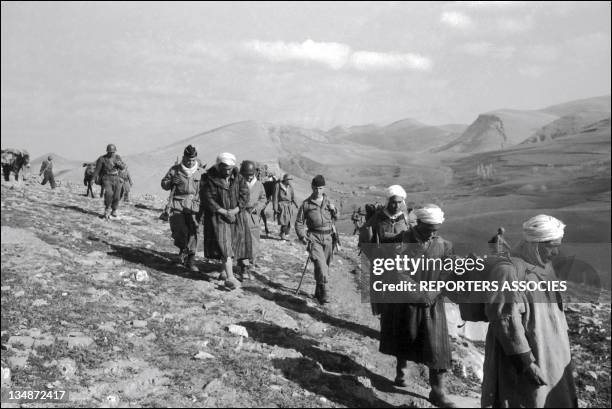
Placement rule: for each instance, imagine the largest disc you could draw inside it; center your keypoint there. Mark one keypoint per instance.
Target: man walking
(224, 193)
(528, 361)
(257, 203)
(283, 202)
(416, 330)
(184, 206)
(127, 184)
(314, 225)
(46, 170)
(107, 171)
(498, 244)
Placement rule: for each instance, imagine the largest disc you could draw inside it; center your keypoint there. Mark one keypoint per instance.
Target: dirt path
(102, 310)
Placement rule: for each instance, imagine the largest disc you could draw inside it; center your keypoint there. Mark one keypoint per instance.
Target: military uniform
(184, 208)
(314, 222)
(283, 201)
(127, 184)
(107, 169)
(46, 169)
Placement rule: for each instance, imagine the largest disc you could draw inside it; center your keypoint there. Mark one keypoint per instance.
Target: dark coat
(418, 332)
(225, 237)
(186, 193)
(283, 201)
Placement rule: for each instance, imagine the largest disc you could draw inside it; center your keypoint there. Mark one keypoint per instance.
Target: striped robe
(224, 237)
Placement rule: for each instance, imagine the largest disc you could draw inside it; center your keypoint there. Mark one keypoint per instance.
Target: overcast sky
(76, 76)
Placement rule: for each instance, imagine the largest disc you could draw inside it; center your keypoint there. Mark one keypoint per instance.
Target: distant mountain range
(406, 151)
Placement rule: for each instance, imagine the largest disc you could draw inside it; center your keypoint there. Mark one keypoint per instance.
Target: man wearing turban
(415, 329)
(386, 223)
(527, 352)
(224, 195)
(183, 180)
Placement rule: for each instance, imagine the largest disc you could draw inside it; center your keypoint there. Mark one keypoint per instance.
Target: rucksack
(475, 311)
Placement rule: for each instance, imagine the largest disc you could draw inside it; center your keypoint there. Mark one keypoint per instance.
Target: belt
(112, 174)
(324, 231)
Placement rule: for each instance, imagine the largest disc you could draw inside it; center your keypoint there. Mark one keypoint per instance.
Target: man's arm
(118, 162)
(300, 223)
(166, 182)
(275, 197)
(261, 200)
(505, 310)
(98, 169)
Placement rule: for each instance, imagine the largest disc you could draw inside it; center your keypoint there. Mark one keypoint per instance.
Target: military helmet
(111, 148)
(247, 168)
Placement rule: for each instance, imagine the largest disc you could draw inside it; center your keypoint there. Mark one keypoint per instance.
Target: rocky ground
(101, 309)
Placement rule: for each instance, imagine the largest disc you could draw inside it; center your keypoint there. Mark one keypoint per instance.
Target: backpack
(475, 311)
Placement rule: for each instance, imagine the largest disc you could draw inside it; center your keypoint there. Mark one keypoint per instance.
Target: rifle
(297, 290)
(165, 216)
(336, 245)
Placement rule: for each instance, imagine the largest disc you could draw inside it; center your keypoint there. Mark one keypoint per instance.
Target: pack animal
(14, 160)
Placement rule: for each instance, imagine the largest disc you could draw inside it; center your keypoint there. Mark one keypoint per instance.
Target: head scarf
(226, 158)
(429, 213)
(542, 228)
(396, 190)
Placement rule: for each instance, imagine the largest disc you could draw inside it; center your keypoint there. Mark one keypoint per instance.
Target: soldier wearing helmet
(107, 172)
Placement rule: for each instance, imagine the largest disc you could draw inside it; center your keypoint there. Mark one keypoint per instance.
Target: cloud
(335, 55)
(338, 56)
(515, 25)
(533, 71)
(368, 60)
(456, 19)
(492, 4)
(542, 53)
(486, 49)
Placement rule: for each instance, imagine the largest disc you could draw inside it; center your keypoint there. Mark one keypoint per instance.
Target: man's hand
(534, 374)
(222, 211)
(304, 240)
(234, 211)
(176, 180)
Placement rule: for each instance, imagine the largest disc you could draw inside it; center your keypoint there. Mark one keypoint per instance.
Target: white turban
(429, 213)
(542, 228)
(226, 158)
(396, 190)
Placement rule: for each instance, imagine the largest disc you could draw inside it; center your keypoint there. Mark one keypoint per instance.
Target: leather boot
(232, 283)
(439, 394)
(400, 376)
(190, 264)
(323, 298)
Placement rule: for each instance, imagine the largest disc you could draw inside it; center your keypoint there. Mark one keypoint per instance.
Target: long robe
(224, 236)
(257, 202)
(283, 202)
(526, 327)
(417, 331)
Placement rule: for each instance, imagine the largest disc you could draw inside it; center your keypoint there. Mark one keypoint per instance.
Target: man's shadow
(163, 261)
(323, 372)
(298, 304)
(78, 209)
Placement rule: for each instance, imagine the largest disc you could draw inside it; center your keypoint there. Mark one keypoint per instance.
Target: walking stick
(297, 291)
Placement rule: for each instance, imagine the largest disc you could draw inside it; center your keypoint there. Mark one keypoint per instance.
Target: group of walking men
(229, 201)
(527, 354)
